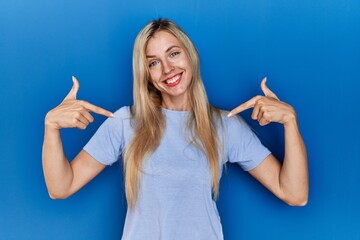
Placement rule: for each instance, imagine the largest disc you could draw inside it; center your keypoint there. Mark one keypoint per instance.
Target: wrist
(51, 130)
(50, 125)
(290, 119)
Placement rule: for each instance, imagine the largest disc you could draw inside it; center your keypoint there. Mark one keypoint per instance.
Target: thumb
(74, 90)
(266, 90)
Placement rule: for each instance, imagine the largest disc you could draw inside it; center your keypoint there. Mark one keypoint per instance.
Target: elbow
(59, 192)
(57, 196)
(295, 197)
(299, 201)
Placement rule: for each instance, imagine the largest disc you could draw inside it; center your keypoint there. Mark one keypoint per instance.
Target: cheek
(185, 63)
(154, 75)
(187, 66)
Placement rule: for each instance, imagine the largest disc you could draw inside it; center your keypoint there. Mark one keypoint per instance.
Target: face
(170, 67)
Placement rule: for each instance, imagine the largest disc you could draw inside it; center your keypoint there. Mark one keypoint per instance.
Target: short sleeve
(242, 145)
(107, 143)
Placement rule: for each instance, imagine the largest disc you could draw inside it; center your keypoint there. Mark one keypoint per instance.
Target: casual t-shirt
(175, 197)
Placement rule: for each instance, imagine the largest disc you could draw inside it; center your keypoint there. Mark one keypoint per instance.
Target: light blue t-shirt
(175, 199)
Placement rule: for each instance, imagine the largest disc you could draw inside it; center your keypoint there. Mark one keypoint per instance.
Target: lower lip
(174, 83)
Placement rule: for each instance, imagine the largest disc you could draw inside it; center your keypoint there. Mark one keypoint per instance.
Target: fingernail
(73, 78)
(229, 115)
(112, 115)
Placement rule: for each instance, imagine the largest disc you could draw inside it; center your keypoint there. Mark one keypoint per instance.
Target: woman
(173, 143)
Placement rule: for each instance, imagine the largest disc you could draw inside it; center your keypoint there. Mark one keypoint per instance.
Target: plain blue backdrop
(309, 50)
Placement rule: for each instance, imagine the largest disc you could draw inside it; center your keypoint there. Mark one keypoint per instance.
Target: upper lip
(172, 77)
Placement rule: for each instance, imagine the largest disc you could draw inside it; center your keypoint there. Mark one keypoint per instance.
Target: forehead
(160, 42)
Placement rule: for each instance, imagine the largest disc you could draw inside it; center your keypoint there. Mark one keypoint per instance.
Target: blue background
(309, 50)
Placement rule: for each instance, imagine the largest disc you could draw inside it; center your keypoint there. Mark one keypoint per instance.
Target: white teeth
(172, 80)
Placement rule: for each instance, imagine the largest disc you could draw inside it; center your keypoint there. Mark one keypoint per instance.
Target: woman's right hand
(73, 113)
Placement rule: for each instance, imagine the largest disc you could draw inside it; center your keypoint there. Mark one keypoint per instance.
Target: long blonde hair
(148, 119)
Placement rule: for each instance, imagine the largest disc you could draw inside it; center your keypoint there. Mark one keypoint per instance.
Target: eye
(153, 63)
(173, 54)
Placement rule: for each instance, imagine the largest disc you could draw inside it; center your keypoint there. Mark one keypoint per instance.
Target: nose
(167, 67)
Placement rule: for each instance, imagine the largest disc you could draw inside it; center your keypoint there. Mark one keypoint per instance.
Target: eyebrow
(167, 50)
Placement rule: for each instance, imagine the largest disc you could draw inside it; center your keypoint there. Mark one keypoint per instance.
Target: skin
(289, 181)
(167, 59)
(63, 178)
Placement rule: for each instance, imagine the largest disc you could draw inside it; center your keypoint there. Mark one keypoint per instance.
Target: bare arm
(62, 178)
(288, 181)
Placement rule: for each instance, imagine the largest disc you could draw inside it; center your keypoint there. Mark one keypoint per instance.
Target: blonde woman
(173, 143)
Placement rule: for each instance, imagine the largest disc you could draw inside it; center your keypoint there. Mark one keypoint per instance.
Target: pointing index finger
(98, 110)
(244, 106)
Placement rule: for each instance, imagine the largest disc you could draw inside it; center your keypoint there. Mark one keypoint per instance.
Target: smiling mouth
(173, 81)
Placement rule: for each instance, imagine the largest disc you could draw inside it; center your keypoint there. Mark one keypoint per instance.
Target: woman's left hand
(267, 108)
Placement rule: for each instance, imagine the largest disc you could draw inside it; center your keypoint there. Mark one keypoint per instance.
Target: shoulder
(221, 118)
(123, 112)
(122, 115)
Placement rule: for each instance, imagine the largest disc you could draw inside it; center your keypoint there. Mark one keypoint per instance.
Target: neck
(176, 103)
